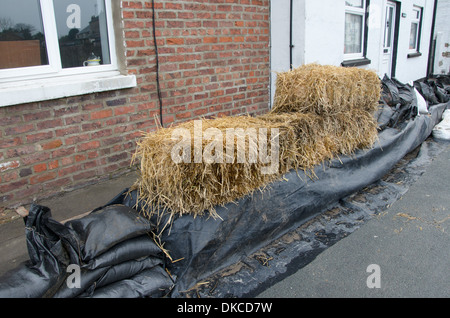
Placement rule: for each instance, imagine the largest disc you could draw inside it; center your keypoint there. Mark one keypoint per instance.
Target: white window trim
(418, 21)
(40, 83)
(361, 12)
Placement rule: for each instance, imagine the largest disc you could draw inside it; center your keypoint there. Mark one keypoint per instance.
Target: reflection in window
(82, 32)
(22, 40)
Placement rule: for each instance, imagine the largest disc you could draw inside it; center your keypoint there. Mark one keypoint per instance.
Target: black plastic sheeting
(208, 245)
(112, 248)
(118, 257)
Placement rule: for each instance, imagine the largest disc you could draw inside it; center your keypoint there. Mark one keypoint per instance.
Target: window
(46, 43)
(354, 28)
(416, 26)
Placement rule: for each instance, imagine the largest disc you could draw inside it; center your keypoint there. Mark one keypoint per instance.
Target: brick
(123, 110)
(8, 187)
(21, 151)
(20, 129)
(52, 144)
(39, 136)
(40, 167)
(175, 41)
(7, 143)
(116, 102)
(4, 166)
(88, 146)
(43, 178)
(49, 124)
(53, 165)
(101, 114)
(25, 172)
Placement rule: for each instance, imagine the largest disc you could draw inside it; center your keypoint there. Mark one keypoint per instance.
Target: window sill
(356, 62)
(415, 54)
(22, 92)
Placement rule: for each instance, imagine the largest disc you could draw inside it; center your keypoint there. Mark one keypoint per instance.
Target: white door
(388, 40)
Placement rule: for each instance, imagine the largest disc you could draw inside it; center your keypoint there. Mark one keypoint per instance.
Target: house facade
(389, 37)
(80, 80)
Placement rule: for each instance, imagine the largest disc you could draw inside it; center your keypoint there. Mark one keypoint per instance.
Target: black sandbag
(92, 279)
(207, 245)
(131, 249)
(153, 283)
(389, 93)
(425, 89)
(108, 237)
(401, 98)
(406, 93)
(51, 247)
(440, 93)
(102, 229)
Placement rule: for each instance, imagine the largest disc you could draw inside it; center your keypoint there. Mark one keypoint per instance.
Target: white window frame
(416, 10)
(44, 82)
(362, 13)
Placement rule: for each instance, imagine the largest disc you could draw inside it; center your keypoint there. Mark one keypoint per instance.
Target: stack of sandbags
(107, 253)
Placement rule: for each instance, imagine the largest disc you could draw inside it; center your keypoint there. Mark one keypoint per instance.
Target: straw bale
(197, 187)
(326, 89)
(320, 112)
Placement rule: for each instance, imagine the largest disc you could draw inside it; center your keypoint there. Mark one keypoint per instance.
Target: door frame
(397, 20)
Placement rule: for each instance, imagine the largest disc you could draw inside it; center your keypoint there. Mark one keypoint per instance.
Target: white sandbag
(421, 102)
(442, 130)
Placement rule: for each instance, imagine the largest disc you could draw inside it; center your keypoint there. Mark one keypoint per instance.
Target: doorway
(389, 49)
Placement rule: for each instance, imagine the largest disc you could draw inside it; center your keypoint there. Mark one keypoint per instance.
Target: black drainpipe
(432, 49)
(158, 88)
(290, 36)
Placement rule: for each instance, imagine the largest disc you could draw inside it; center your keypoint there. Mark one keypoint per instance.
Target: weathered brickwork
(213, 61)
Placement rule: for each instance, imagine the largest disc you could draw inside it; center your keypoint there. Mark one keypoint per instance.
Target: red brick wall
(214, 61)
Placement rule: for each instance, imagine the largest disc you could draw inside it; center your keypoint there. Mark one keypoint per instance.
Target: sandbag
(425, 89)
(109, 245)
(390, 93)
(442, 130)
(421, 102)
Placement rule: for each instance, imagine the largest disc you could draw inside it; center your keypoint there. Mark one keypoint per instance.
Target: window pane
(82, 32)
(417, 14)
(22, 40)
(354, 3)
(413, 36)
(353, 33)
(389, 26)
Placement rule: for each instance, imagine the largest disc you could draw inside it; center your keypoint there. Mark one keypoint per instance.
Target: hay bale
(194, 186)
(320, 112)
(326, 89)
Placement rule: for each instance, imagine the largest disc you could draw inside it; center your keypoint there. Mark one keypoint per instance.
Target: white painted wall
(319, 27)
(416, 67)
(442, 32)
(280, 37)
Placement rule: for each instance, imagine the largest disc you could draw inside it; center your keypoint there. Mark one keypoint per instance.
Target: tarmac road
(407, 248)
